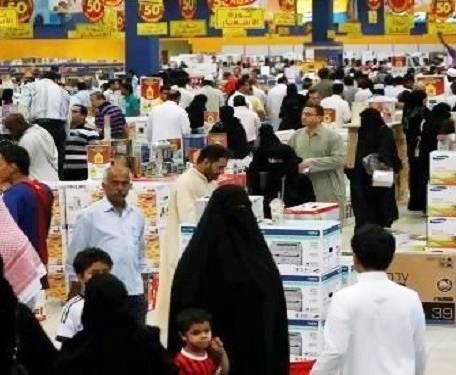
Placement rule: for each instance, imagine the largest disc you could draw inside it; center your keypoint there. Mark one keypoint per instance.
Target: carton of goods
(306, 339)
(313, 211)
(433, 277)
(441, 200)
(308, 297)
(441, 232)
(443, 168)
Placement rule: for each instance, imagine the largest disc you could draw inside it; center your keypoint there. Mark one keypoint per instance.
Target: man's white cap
(451, 72)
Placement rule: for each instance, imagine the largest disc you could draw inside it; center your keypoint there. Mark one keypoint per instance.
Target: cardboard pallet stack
(308, 256)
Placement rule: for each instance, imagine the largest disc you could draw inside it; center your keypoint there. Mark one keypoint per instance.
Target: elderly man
(39, 145)
(323, 153)
(115, 227)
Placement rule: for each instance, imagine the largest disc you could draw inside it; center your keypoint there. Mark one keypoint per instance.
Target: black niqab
(228, 270)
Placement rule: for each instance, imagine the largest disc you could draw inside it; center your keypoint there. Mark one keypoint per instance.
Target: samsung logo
(438, 188)
(438, 221)
(440, 157)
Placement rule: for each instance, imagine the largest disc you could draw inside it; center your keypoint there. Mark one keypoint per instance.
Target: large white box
(441, 232)
(443, 168)
(308, 297)
(441, 200)
(256, 200)
(300, 247)
(306, 339)
(313, 211)
(304, 247)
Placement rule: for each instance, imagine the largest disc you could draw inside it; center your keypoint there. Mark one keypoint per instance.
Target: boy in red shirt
(201, 354)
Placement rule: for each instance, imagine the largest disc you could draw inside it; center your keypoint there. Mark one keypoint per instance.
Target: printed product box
(313, 211)
(443, 168)
(441, 232)
(57, 283)
(56, 245)
(298, 247)
(433, 277)
(348, 273)
(306, 339)
(441, 200)
(308, 297)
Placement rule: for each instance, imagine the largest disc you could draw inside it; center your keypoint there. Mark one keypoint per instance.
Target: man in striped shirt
(79, 137)
(103, 109)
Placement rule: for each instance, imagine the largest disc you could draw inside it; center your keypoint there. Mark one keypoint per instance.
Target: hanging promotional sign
(287, 5)
(150, 90)
(214, 4)
(442, 9)
(24, 8)
(93, 10)
(8, 18)
(188, 8)
(400, 6)
(247, 18)
(113, 3)
(151, 10)
(374, 4)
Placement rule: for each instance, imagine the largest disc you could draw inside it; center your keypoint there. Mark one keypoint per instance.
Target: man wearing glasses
(79, 137)
(323, 152)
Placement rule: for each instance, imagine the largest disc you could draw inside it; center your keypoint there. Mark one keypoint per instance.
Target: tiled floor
(441, 340)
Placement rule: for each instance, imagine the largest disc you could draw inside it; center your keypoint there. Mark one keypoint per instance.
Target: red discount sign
(24, 8)
(287, 5)
(374, 4)
(93, 9)
(187, 8)
(113, 3)
(213, 4)
(151, 10)
(442, 9)
(399, 6)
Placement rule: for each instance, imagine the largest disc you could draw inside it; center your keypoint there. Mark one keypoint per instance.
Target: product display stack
(308, 256)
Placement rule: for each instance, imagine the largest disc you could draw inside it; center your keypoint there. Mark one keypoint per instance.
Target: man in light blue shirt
(118, 229)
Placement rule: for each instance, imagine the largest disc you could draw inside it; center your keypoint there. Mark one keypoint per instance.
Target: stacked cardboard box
(441, 201)
(308, 256)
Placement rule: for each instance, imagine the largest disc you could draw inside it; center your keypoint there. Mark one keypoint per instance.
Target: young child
(201, 354)
(87, 263)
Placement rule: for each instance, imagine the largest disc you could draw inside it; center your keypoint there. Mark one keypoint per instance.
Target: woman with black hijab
(235, 132)
(291, 109)
(196, 111)
(112, 342)
(414, 115)
(373, 205)
(19, 328)
(228, 270)
(282, 164)
(439, 123)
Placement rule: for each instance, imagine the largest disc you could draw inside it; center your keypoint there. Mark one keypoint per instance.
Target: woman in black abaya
(228, 270)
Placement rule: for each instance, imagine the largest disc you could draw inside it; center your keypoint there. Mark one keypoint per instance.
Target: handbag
(17, 368)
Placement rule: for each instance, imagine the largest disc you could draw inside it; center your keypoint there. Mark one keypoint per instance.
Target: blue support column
(322, 21)
(142, 54)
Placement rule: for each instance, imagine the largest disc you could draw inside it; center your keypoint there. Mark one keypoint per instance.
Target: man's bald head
(116, 185)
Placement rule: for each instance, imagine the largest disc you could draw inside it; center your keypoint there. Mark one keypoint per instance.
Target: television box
(306, 339)
(441, 200)
(433, 277)
(308, 297)
(441, 232)
(443, 168)
(313, 211)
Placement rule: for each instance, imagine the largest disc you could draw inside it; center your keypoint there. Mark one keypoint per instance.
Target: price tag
(93, 10)
(151, 10)
(24, 8)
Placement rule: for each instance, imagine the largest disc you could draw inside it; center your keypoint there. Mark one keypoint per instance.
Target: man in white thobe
(195, 183)
(339, 105)
(274, 101)
(376, 326)
(167, 120)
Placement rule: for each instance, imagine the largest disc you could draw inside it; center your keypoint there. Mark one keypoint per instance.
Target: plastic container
(301, 368)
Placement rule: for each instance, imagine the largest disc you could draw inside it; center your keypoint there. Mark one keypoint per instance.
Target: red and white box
(313, 211)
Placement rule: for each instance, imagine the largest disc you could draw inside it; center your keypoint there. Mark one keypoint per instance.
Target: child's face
(198, 337)
(96, 268)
